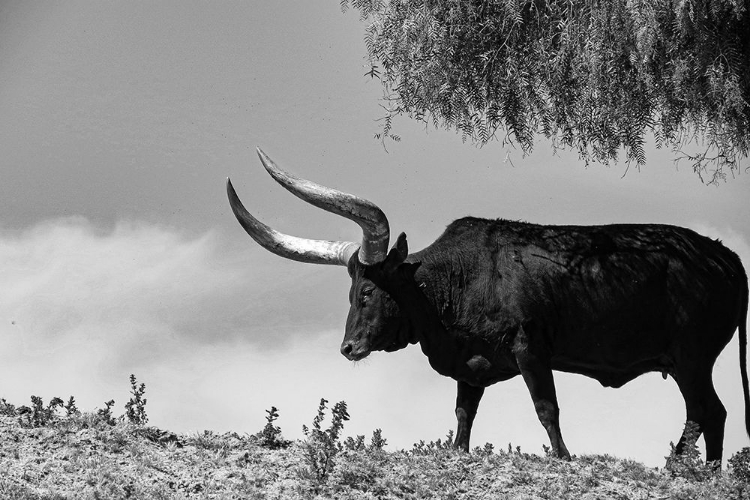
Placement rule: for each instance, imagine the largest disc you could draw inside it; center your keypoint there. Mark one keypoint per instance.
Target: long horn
(290, 247)
(370, 218)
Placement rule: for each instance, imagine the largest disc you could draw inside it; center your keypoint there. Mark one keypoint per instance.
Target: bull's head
(375, 321)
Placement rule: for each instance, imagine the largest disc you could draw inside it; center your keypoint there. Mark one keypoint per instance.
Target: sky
(119, 253)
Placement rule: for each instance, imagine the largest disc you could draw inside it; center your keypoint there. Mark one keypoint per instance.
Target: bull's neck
(427, 327)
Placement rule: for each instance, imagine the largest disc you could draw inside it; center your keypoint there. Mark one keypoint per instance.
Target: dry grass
(84, 457)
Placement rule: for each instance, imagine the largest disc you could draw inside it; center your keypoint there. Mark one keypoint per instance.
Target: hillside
(93, 455)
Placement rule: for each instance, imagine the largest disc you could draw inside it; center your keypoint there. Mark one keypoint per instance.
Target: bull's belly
(614, 373)
(611, 357)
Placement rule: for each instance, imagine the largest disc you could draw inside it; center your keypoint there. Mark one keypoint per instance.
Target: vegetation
(98, 456)
(270, 436)
(135, 408)
(322, 446)
(688, 464)
(590, 76)
(38, 415)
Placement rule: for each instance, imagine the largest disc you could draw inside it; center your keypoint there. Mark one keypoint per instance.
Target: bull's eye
(365, 294)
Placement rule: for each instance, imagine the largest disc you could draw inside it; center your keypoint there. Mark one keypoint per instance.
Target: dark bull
(492, 299)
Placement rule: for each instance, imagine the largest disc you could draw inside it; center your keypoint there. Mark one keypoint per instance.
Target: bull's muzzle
(354, 352)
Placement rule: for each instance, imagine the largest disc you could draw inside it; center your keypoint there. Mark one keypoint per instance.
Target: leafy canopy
(594, 76)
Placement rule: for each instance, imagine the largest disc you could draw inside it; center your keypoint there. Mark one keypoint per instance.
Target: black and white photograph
(360, 249)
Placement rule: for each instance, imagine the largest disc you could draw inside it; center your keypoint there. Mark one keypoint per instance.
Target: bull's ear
(403, 249)
(352, 265)
(397, 255)
(411, 269)
(402, 246)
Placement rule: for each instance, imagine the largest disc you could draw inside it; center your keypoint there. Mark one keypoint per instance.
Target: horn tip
(231, 193)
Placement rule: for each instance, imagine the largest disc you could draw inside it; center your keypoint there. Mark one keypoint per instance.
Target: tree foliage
(594, 76)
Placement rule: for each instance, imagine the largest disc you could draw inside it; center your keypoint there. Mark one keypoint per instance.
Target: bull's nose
(346, 349)
(354, 352)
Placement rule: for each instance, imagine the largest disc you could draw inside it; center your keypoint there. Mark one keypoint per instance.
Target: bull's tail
(742, 327)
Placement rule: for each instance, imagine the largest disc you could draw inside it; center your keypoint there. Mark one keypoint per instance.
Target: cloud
(138, 286)
(731, 238)
(66, 275)
(82, 307)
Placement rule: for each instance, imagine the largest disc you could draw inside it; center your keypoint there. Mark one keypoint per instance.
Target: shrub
(688, 464)
(740, 465)
(71, 408)
(377, 442)
(135, 408)
(105, 414)
(270, 436)
(361, 472)
(208, 440)
(355, 444)
(321, 446)
(7, 409)
(486, 450)
(434, 447)
(517, 451)
(38, 415)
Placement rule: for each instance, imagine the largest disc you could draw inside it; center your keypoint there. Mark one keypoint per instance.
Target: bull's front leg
(467, 402)
(537, 374)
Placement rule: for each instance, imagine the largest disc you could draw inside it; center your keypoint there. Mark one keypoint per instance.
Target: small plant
(321, 446)
(740, 465)
(688, 464)
(270, 436)
(355, 444)
(38, 415)
(485, 451)
(105, 414)
(434, 447)
(7, 409)
(135, 408)
(377, 442)
(208, 440)
(71, 408)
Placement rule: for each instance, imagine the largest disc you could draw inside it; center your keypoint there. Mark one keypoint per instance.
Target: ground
(86, 457)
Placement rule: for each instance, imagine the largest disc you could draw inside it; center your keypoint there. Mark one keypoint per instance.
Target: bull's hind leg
(703, 407)
(467, 402)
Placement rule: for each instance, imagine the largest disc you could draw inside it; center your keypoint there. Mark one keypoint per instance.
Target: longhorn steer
(492, 299)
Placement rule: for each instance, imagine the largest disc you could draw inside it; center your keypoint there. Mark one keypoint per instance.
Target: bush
(434, 447)
(105, 414)
(688, 464)
(355, 444)
(321, 446)
(270, 436)
(7, 409)
(377, 442)
(740, 465)
(71, 408)
(486, 451)
(135, 408)
(38, 415)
